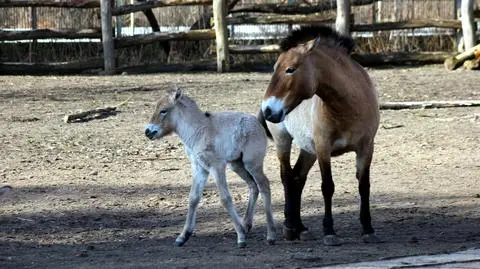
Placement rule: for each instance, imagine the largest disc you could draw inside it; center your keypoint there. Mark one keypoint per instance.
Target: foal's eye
(290, 70)
(163, 112)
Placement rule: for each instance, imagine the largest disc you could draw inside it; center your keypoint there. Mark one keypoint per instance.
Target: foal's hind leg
(255, 169)
(364, 159)
(239, 168)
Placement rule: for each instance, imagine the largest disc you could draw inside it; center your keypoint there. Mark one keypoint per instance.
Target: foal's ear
(175, 95)
(313, 44)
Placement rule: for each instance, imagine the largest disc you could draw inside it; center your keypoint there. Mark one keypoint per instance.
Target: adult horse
(323, 101)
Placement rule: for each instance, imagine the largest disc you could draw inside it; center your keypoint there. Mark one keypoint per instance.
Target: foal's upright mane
(326, 35)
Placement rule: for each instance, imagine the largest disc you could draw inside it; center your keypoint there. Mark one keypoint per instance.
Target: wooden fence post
(458, 34)
(342, 23)
(221, 34)
(107, 38)
(468, 24)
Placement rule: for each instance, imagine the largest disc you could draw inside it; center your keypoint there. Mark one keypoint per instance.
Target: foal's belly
(298, 124)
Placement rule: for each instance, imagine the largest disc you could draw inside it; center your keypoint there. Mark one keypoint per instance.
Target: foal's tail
(262, 121)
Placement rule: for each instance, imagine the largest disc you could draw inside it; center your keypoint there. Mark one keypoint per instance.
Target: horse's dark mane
(327, 35)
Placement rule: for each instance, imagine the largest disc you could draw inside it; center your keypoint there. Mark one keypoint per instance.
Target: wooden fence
(264, 14)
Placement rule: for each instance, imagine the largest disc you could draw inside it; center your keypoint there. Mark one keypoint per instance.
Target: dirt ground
(100, 195)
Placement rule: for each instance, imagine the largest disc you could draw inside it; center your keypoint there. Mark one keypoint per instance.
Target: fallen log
(428, 104)
(472, 64)
(97, 113)
(455, 62)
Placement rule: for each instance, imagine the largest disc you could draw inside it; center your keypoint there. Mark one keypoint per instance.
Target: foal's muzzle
(151, 131)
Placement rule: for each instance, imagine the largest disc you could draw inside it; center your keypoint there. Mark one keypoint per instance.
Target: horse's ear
(175, 95)
(313, 44)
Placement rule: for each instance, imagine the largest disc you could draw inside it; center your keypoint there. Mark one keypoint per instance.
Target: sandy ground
(100, 195)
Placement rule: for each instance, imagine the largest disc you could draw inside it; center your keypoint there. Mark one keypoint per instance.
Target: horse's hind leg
(364, 159)
(239, 168)
(255, 169)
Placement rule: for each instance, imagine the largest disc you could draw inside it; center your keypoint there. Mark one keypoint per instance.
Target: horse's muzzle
(273, 109)
(274, 117)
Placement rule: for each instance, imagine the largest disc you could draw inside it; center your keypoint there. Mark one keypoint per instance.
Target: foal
(325, 102)
(213, 140)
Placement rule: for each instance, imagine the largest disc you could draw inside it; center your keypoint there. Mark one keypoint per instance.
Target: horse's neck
(332, 85)
(191, 124)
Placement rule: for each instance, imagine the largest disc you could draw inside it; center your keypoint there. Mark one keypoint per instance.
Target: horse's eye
(163, 112)
(290, 70)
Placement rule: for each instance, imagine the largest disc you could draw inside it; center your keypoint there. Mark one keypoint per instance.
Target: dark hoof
(290, 234)
(248, 227)
(241, 245)
(271, 242)
(331, 240)
(371, 238)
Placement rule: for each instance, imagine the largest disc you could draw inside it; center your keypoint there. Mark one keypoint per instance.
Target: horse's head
(161, 122)
(296, 72)
(291, 83)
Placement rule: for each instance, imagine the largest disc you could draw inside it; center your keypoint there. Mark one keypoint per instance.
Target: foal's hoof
(271, 242)
(371, 238)
(179, 242)
(241, 244)
(331, 240)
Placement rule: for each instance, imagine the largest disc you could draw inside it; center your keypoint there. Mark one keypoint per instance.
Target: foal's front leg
(218, 173)
(200, 177)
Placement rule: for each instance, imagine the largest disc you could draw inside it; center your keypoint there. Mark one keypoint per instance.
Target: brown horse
(325, 102)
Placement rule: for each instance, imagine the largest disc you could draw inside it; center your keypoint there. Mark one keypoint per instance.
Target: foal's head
(161, 122)
(295, 75)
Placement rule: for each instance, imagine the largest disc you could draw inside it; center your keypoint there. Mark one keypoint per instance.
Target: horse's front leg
(300, 171)
(328, 188)
(200, 177)
(218, 173)
(364, 159)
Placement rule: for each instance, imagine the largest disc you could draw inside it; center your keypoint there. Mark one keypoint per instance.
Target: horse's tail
(262, 121)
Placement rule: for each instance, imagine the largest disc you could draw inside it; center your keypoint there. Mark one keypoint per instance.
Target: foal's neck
(190, 124)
